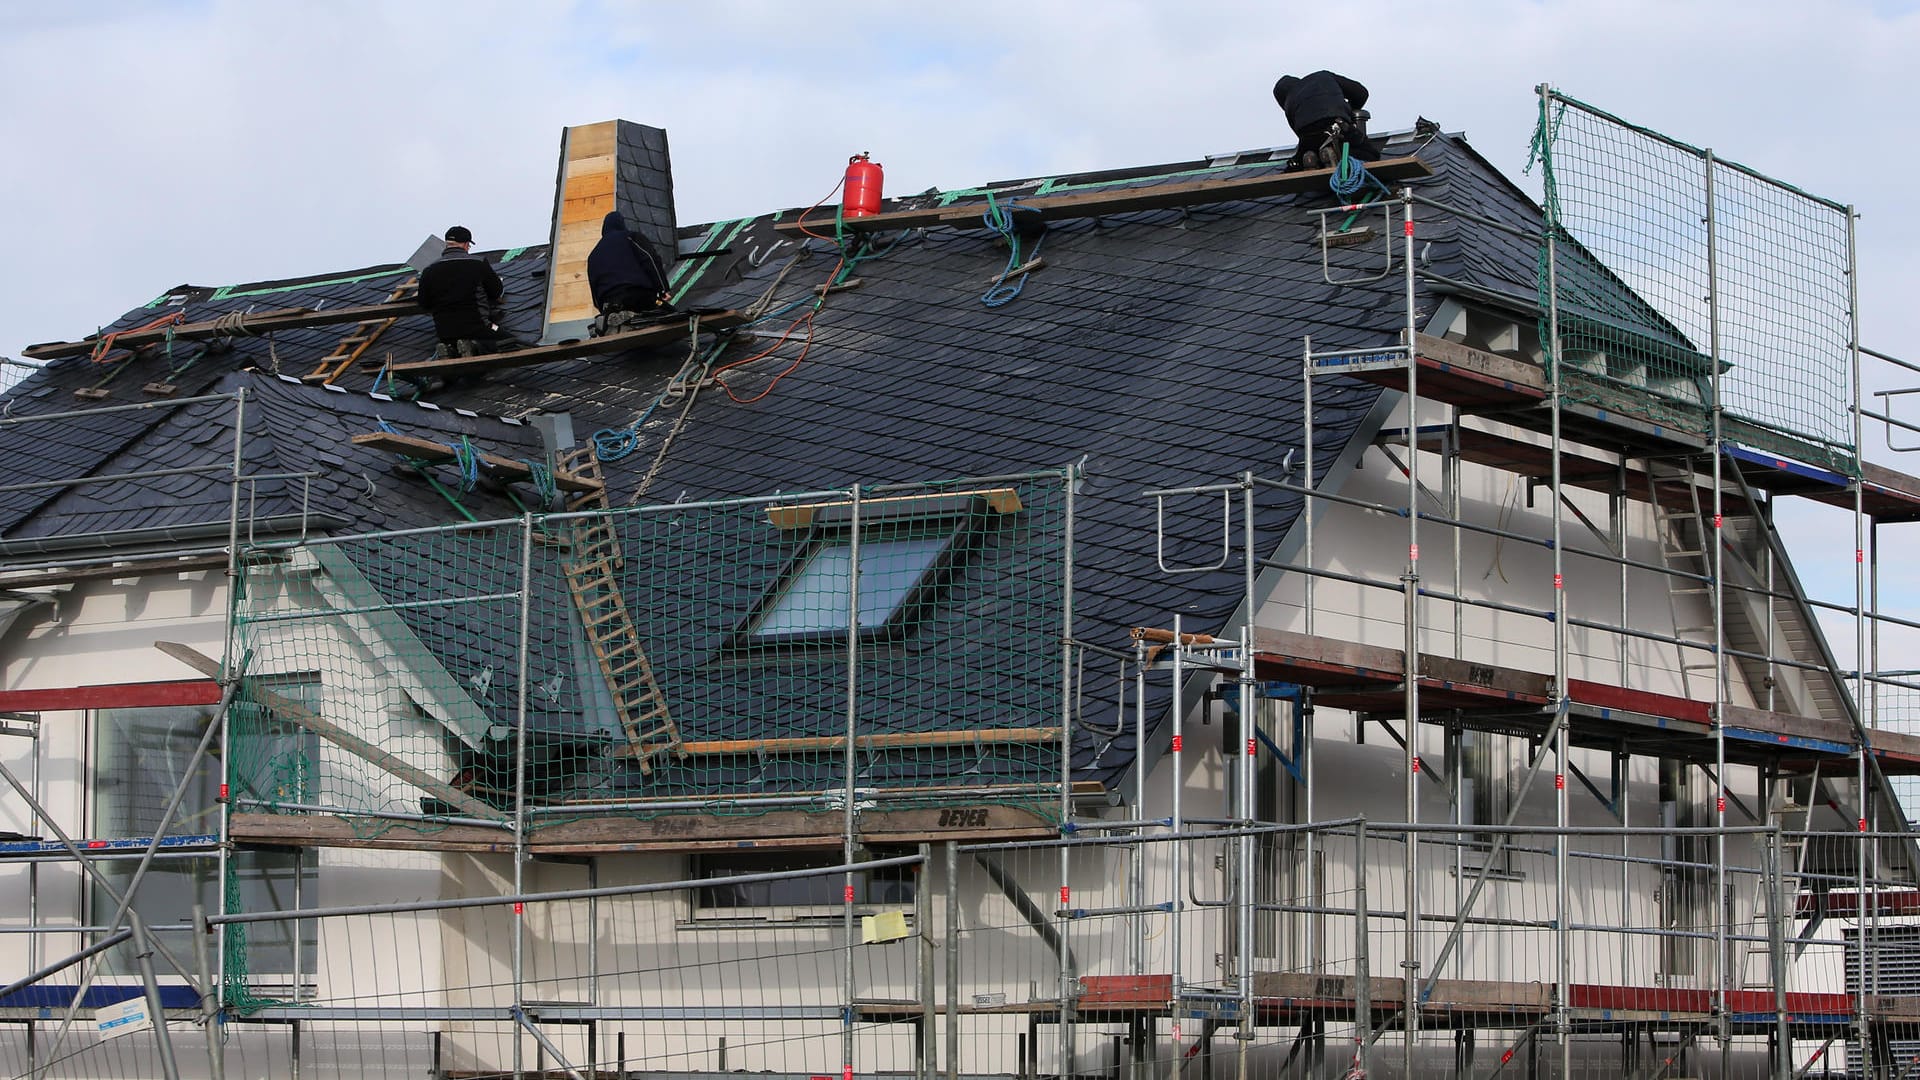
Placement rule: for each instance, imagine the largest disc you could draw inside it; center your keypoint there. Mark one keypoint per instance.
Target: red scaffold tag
(1416, 763)
(1176, 744)
(1559, 781)
(846, 1073)
(1413, 553)
(1863, 824)
(1409, 228)
(519, 908)
(1717, 520)
(849, 894)
(1859, 555)
(1559, 582)
(1250, 748)
(1066, 894)
(1720, 804)
(223, 793)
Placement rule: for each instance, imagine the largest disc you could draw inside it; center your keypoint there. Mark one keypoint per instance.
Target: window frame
(699, 914)
(948, 519)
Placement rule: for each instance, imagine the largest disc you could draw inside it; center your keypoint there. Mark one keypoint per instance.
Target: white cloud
(230, 140)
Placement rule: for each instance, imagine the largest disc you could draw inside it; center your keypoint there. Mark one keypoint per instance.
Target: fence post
(927, 1050)
(953, 960)
(1777, 915)
(1362, 954)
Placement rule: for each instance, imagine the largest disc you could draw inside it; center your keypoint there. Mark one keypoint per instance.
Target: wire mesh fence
(904, 638)
(1677, 275)
(1124, 951)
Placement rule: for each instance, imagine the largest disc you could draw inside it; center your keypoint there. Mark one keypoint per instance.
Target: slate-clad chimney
(614, 164)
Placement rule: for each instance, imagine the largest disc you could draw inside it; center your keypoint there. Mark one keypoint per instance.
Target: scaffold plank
(140, 695)
(1114, 200)
(669, 832)
(657, 334)
(428, 450)
(260, 322)
(890, 741)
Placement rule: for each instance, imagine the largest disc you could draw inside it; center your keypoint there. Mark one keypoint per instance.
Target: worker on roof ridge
(624, 275)
(464, 296)
(1326, 113)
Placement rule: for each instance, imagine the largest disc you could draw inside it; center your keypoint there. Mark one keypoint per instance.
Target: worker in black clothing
(624, 275)
(463, 294)
(1326, 113)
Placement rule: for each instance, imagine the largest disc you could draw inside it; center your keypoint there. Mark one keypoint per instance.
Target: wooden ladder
(591, 568)
(357, 341)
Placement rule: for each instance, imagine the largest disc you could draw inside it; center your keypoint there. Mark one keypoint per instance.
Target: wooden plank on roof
(257, 323)
(428, 450)
(659, 333)
(1112, 200)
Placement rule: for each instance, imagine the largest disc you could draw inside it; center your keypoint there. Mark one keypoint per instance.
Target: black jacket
(463, 294)
(1318, 98)
(622, 263)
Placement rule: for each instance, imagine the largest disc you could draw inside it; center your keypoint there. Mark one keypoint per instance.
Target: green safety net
(1659, 249)
(662, 659)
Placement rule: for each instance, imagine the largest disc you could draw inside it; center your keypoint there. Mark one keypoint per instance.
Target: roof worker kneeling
(628, 284)
(464, 296)
(1326, 113)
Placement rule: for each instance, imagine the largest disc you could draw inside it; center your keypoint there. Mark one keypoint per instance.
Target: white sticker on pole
(125, 1018)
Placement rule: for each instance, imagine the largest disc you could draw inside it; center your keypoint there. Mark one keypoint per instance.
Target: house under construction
(1199, 619)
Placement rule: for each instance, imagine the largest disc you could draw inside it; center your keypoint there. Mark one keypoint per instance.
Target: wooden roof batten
(419, 449)
(1142, 194)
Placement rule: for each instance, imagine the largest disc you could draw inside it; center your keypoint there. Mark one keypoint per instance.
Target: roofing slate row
(1154, 349)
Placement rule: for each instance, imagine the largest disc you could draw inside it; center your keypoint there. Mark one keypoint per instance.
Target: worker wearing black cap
(1326, 114)
(463, 294)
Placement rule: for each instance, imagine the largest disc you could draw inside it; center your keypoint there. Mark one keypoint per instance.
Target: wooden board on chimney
(588, 177)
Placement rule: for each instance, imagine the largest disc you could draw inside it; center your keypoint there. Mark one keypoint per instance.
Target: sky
(148, 145)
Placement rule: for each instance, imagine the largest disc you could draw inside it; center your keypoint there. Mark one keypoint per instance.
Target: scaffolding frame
(1189, 659)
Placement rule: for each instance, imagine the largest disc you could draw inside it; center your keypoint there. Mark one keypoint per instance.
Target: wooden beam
(295, 713)
(659, 333)
(257, 323)
(1113, 200)
(140, 695)
(783, 828)
(891, 741)
(428, 450)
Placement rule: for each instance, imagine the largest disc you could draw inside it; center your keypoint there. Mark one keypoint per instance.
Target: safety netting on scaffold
(1671, 266)
(642, 660)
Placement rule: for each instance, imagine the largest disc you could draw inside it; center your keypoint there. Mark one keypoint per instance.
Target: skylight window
(815, 600)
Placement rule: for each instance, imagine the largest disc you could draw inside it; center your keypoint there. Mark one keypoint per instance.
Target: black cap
(459, 234)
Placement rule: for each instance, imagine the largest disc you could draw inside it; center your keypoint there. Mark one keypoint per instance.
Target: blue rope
(468, 461)
(1350, 177)
(1000, 219)
(542, 478)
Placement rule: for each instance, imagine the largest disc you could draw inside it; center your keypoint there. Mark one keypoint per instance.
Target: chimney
(611, 165)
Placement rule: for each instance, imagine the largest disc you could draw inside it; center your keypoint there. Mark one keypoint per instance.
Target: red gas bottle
(863, 187)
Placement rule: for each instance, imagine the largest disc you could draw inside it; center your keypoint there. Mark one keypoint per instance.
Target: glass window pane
(815, 601)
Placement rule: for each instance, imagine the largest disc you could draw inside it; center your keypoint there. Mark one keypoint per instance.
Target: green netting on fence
(1658, 247)
(658, 657)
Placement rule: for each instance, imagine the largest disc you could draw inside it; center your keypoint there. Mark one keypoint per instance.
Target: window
(795, 899)
(814, 598)
(141, 755)
(909, 545)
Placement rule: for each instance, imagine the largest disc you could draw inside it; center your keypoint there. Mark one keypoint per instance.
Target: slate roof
(1154, 349)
